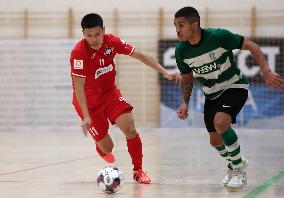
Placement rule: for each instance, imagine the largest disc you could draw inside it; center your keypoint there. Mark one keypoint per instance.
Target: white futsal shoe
(239, 176)
(230, 171)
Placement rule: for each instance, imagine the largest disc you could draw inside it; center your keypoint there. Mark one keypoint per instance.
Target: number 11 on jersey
(102, 62)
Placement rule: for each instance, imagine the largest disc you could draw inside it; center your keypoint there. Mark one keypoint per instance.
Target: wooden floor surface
(64, 164)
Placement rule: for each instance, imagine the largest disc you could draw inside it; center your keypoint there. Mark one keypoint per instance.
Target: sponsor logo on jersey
(206, 68)
(108, 51)
(212, 56)
(93, 56)
(103, 70)
(78, 64)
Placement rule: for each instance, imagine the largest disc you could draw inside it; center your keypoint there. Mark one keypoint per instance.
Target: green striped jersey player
(206, 54)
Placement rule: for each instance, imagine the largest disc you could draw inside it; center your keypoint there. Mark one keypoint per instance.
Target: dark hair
(189, 13)
(92, 20)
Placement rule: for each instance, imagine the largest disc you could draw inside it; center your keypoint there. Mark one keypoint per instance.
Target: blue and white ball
(110, 179)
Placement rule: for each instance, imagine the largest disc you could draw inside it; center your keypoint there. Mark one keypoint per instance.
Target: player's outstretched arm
(79, 83)
(151, 62)
(186, 89)
(271, 78)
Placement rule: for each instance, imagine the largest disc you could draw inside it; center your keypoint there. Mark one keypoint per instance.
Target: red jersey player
(96, 97)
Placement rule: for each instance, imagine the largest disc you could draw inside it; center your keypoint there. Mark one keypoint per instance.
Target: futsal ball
(110, 179)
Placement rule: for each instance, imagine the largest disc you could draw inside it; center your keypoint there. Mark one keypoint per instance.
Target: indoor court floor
(64, 164)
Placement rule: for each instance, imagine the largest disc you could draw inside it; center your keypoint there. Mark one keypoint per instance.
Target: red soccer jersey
(97, 66)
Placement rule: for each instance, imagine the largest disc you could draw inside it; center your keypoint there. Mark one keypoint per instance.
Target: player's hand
(182, 111)
(174, 76)
(273, 80)
(86, 125)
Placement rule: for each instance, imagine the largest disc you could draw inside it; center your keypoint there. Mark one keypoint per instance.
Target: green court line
(266, 184)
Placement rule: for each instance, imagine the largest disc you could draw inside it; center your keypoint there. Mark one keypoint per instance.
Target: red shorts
(110, 109)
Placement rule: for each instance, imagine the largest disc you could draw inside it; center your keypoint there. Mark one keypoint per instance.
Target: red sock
(135, 150)
(102, 154)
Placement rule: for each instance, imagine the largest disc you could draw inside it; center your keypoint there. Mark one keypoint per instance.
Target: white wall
(137, 5)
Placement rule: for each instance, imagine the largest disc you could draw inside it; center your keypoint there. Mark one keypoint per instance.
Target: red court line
(46, 165)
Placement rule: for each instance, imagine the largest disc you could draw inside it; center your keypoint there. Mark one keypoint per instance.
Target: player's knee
(131, 132)
(220, 124)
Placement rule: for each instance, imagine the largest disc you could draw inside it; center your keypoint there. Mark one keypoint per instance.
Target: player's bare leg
(222, 123)
(126, 124)
(104, 148)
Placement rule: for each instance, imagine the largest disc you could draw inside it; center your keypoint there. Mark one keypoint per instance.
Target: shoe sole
(237, 187)
(143, 182)
(140, 182)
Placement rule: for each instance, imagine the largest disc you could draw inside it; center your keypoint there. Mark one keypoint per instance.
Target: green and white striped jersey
(212, 61)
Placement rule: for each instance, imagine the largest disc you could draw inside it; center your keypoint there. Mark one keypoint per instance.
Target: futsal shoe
(239, 177)
(109, 158)
(229, 174)
(141, 177)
